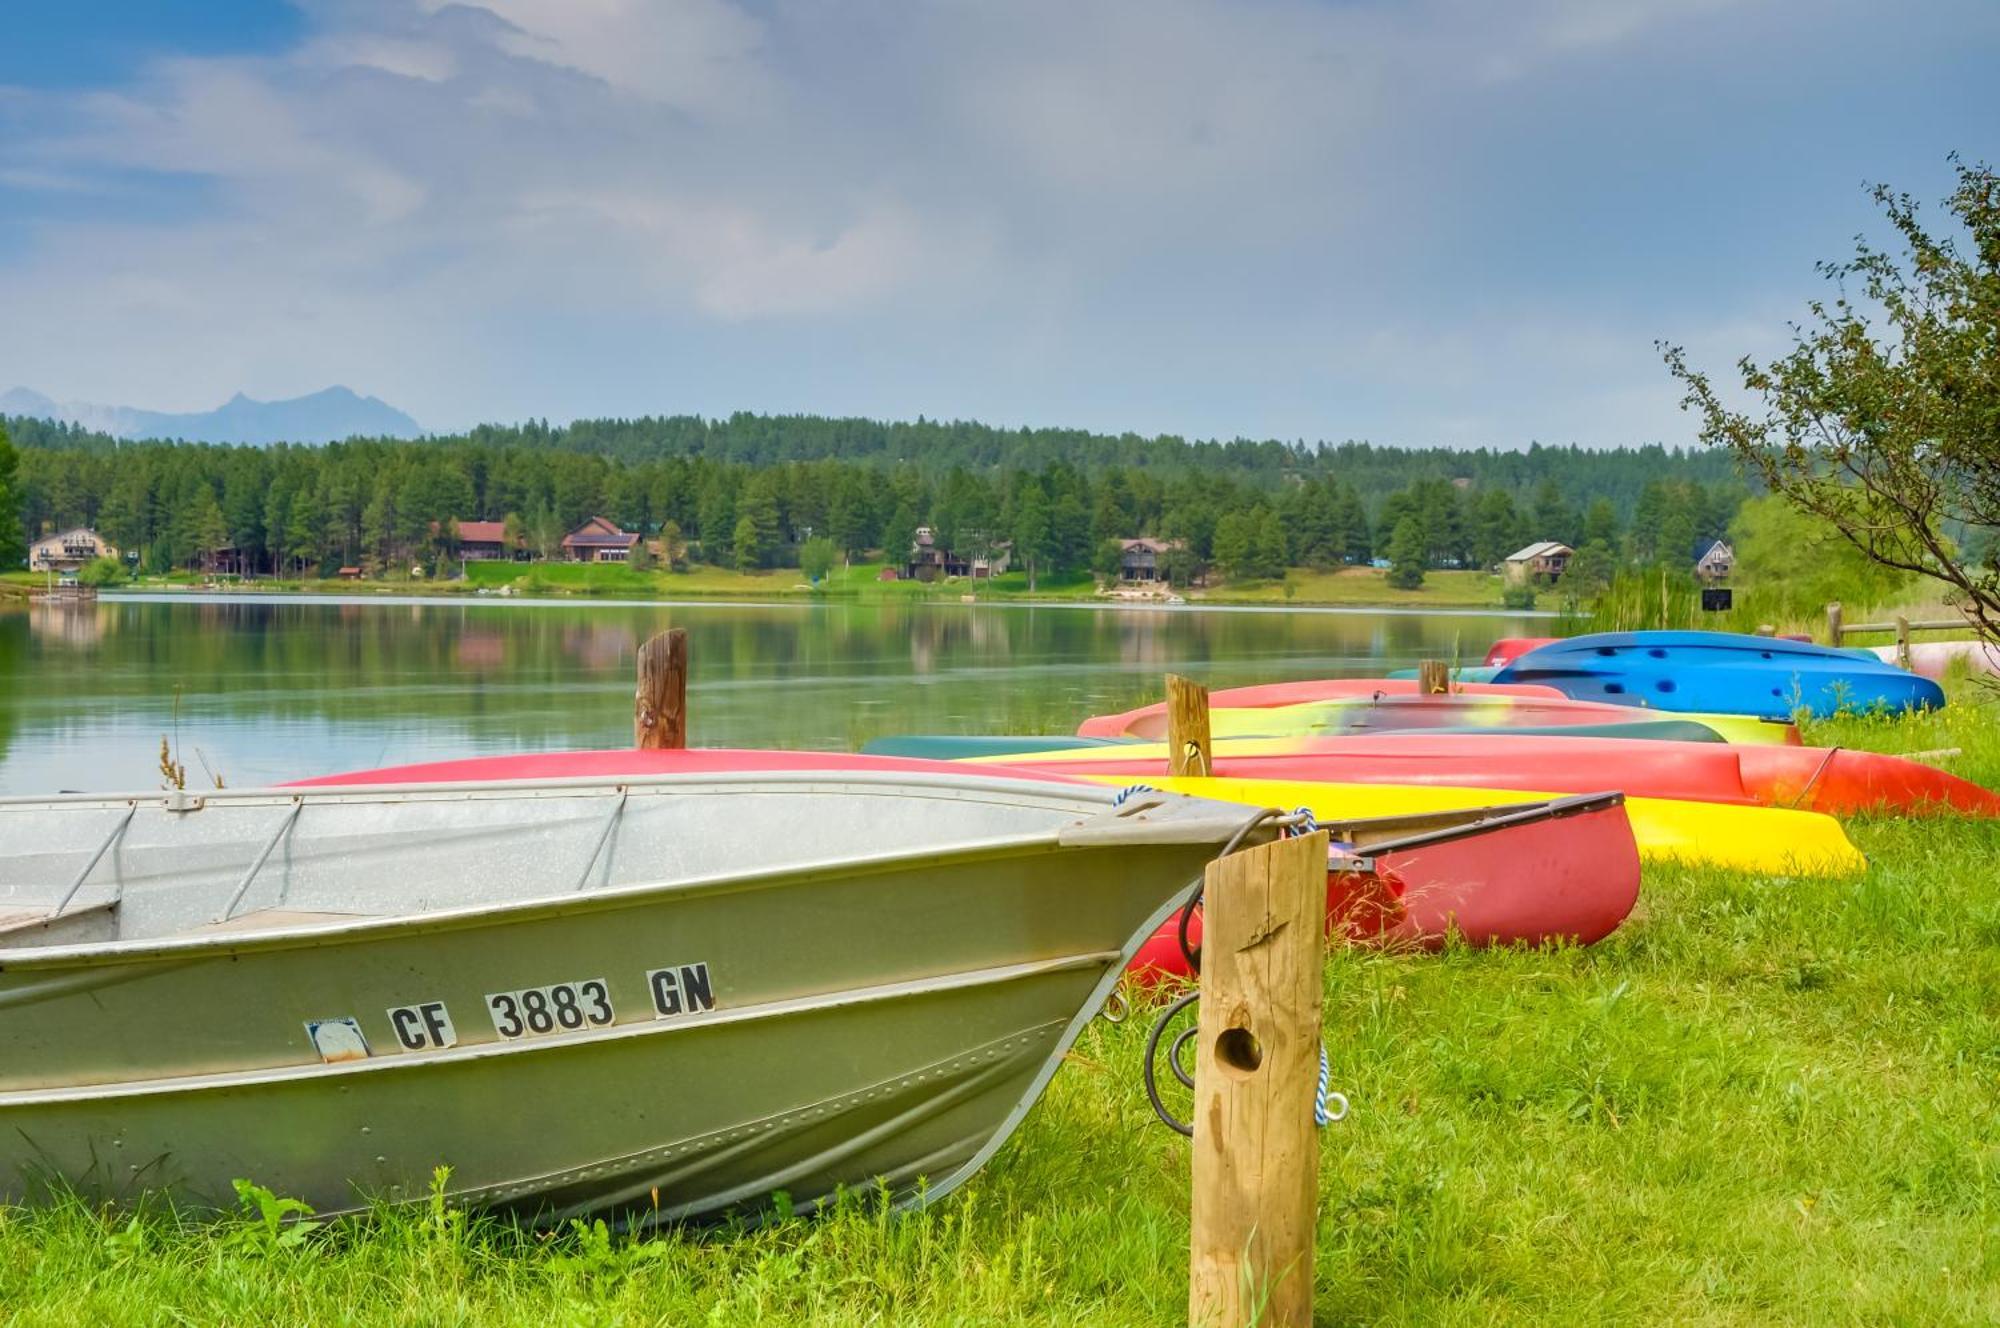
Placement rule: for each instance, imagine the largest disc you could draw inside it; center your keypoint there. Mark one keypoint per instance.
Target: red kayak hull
(1309, 689)
(617, 763)
(1692, 771)
(1841, 781)
(1573, 878)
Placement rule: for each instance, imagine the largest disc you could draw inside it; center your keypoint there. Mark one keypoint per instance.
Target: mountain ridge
(325, 416)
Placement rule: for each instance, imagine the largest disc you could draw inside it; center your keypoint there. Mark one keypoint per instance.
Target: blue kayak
(1720, 672)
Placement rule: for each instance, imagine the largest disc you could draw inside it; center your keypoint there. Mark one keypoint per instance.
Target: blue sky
(1443, 221)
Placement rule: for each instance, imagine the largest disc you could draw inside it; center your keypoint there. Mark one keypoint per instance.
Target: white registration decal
(564, 1007)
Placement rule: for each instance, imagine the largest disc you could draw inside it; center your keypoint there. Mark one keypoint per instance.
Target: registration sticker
(425, 1027)
(564, 1007)
(681, 989)
(337, 1040)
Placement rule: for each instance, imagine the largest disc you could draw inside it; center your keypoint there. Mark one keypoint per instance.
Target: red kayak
(1834, 780)
(1309, 689)
(1526, 875)
(1510, 648)
(1840, 780)
(631, 761)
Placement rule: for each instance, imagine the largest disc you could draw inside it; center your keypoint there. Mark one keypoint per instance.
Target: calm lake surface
(263, 690)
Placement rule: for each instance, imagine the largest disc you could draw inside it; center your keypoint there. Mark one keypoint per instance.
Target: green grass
(1763, 1100)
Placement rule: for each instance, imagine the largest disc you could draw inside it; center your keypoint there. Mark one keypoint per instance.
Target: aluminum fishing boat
(662, 994)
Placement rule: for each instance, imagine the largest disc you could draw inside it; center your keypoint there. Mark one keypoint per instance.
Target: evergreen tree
(1032, 529)
(1233, 535)
(1406, 554)
(749, 553)
(13, 544)
(1267, 545)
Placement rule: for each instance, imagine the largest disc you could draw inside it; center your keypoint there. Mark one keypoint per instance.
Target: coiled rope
(1300, 822)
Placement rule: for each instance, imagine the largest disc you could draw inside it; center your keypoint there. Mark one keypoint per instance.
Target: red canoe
(1562, 870)
(1309, 689)
(1834, 780)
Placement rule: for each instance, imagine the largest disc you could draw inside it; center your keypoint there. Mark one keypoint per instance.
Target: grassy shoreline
(1764, 1099)
(1357, 587)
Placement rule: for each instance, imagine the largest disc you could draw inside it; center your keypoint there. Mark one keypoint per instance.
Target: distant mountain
(322, 417)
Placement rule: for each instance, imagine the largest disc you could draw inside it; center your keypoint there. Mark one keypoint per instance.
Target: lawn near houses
(1763, 1100)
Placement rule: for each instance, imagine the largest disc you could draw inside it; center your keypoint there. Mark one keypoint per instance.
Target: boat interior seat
(28, 926)
(270, 919)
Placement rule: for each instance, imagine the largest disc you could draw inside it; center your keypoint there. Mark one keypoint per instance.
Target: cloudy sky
(1450, 221)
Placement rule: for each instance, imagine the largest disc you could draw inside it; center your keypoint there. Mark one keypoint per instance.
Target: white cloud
(1132, 212)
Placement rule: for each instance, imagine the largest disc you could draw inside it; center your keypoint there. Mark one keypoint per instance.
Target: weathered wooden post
(1256, 1157)
(659, 709)
(1902, 641)
(1188, 745)
(1833, 623)
(1433, 678)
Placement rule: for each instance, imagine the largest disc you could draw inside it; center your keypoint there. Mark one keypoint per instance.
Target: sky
(1432, 222)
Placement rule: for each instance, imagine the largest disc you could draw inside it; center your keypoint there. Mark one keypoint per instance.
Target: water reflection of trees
(499, 677)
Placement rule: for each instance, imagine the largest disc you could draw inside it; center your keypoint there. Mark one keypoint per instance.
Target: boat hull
(1507, 876)
(1751, 839)
(793, 1020)
(1722, 672)
(1293, 693)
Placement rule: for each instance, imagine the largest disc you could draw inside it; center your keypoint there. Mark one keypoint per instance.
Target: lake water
(265, 689)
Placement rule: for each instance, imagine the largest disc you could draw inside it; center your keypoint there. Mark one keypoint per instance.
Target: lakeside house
(931, 561)
(1716, 562)
(68, 550)
(599, 541)
(1547, 559)
(1143, 559)
(483, 542)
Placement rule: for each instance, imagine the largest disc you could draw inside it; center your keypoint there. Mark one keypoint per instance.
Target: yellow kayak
(1759, 839)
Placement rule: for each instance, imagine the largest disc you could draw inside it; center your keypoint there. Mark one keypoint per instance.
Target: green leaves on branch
(1883, 421)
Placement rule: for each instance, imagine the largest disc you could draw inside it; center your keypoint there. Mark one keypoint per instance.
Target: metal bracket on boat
(91, 866)
(610, 824)
(180, 800)
(243, 886)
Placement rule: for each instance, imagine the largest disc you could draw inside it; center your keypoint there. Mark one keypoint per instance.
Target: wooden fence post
(1902, 641)
(659, 709)
(1433, 678)
(1188, 745)
(1833, 623)
(1256, 1154)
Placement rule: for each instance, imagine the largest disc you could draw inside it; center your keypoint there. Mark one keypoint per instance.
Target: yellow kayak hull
(1757, 839)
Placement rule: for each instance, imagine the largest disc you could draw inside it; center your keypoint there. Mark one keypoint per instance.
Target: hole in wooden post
(1238, 1051)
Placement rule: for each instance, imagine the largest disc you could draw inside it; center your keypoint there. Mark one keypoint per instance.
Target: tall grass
(1765, 1099)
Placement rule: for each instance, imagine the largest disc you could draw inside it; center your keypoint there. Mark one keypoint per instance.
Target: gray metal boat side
(799, 1024)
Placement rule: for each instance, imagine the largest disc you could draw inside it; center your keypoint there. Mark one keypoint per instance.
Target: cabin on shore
(1546, 559)
(599, 541)
(1716, 562)
(68, 550)
(930, 560)
(483, 542)
(1144, 559)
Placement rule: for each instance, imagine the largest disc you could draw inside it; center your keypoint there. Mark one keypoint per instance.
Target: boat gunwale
(187, 947)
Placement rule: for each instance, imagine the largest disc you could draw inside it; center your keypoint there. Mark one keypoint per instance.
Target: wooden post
(1902, 642)
(1433, 678)
(659, 710)
(1188, 745)
(1256, 1154)
(1833, 623)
